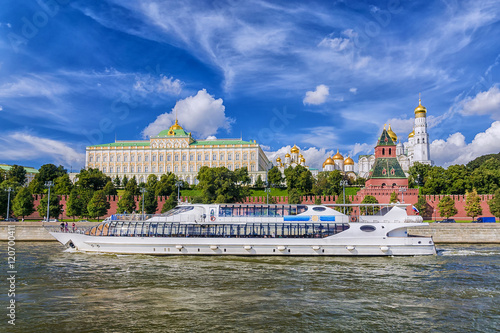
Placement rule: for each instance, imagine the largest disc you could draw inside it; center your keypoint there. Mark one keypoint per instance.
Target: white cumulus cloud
(484, 103)
(455, 150)
(201, 114)
(318, 96)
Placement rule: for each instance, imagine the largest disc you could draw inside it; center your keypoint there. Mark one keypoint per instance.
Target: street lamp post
(8, 201)
(143, 190)
(48, 184)
(179, 185)
(343, 183)
(268, 189)
(402, 190)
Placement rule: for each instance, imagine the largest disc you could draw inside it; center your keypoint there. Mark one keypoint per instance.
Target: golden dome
(278, 159)
(348, 161)
(176, 126)
(338, 156)
(328, 161)
(393, 135)
(303, 160)
(412, 134)
(287, 155)
(420, 110)
(294, 150)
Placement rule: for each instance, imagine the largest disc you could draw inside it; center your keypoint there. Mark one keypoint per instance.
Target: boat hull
(328, 246)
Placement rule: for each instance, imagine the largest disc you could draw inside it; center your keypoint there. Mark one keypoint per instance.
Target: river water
(456, 291)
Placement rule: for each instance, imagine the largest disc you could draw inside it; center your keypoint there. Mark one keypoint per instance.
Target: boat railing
(70, 230)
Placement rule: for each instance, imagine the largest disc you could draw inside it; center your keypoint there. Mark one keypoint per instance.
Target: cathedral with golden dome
(293, 158)
(415, 150)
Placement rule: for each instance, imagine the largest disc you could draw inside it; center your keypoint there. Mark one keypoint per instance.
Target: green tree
(299, 178)
(110, 189)
(36, 186)
(275, 177)
(317, 201)
(369, 199)
(494, 204)
(294, 196)
(436, 182)
(124, 181)
(419, 173)
(476, 163)
(242, 177)
(55, 206)
(23, 203)
(63, 185)
(98, 205)
(171, 203)
(92, 179)
(447, 207)
(74, 206)
(49, 172)
(424, 209)
(126, 203)
(150, 202)
(334, 179)
(221, 185)
(473, 204)
(394, 197)
(321, 184)
(458, 179)
(117, 181)
(17, 174)
(151, 183)
(259, 183)
(132, 186)
(166, 185)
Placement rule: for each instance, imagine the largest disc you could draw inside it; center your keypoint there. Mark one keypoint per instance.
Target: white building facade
(174, 150)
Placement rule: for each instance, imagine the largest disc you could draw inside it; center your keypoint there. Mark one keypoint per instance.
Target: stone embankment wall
(474, 233)
(382, 195)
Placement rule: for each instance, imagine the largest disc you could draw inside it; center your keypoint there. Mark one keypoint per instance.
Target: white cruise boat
(244, 229)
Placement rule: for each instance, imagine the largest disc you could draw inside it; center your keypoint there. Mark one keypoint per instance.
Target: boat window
(319, 209)
(301, 209)
(367, 228)
(178, 210)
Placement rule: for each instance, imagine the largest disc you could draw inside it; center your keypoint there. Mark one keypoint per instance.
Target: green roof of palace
(124, 144)
(390, 165)
(178, 132)
(8, 167)
(385, 139)
(221, 142)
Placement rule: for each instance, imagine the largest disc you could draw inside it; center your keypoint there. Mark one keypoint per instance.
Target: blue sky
(324, 75)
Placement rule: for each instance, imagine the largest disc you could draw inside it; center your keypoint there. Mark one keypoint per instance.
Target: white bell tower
(421, 151)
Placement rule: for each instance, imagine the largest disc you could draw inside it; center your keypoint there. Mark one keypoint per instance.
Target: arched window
(383, 151)
(418, 140)
(390, 151)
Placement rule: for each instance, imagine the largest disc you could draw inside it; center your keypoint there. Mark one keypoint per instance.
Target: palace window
(132, 158)
(183, 168)
(161, 168)
(111, 158)
(176, 157)
(124, 169)
(139, 168)
(118, 169)
(244, 156)
(132, 168)
(104, 169)
(91, 158)
(191, 157)
(199, 157)
(222, 156)
(154, 169)
(125, 158)
(191, 168)
(229, 157)
(146, 169)
(104, 159)
(139, 158)
(176, 169)
(230, 167)
(237, 156)
(161, 158)
(169, 158)
(252, 168)
(168, 168)
(206, 157)
(253, 156)
(97, 158)
(154, 159)
(110, 169)
(184, 157)
(214, 157)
